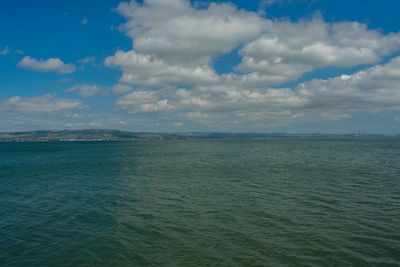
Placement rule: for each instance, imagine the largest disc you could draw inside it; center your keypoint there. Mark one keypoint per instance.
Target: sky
(295, 66)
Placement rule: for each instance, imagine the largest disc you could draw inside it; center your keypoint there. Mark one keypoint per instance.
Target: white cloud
(85, 90)
(73, 115)
(87, 60)
(177, 32)
(265, 3)
(121, 88)
(372, 90)
(144, 102)
(50, 65)
(170, 68)
(43, 105)
(5, 51)
(175, 44)
(290, 49)
(149, 71)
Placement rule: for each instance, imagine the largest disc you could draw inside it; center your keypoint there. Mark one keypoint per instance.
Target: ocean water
(201, 203)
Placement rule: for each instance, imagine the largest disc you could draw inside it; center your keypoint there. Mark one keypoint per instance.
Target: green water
(200, 203)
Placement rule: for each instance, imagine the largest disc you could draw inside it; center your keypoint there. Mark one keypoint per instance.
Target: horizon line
(187, 132)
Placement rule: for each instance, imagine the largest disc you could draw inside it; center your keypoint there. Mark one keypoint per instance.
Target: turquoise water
(200, 203)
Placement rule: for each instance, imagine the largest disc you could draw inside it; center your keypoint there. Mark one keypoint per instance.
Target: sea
(277, 202)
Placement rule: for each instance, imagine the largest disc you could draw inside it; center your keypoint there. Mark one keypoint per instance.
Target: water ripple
(200, 203)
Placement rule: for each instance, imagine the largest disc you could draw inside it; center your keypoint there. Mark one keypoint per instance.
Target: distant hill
(76, 135)
(113, 135)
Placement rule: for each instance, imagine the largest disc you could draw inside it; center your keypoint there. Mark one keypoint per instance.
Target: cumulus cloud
(43, 105)
(175, 42)
(149, 71)
(49, 65)
(141, 102)
(170, 69)
(85, 90)
(121, 88)
(290, 49)
(373, 90)
(177, 32)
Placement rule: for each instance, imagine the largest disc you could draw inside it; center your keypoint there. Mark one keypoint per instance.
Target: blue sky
(173, 65)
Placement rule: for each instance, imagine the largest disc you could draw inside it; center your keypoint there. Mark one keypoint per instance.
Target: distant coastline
(116, 135)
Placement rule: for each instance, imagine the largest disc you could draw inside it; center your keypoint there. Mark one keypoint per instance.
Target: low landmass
(115, 135)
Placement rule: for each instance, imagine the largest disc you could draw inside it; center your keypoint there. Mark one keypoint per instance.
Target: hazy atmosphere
(174, 66)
